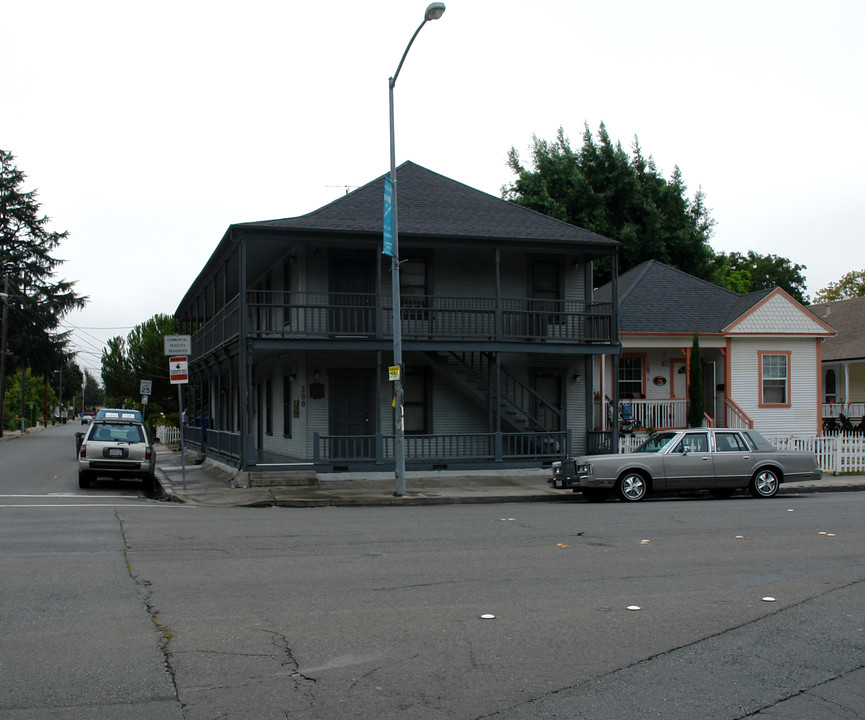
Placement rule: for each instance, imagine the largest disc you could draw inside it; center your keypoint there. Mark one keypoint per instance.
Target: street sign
(178, 344)
(146, 387)
(144, 399)
(178, 370)
(393, 373)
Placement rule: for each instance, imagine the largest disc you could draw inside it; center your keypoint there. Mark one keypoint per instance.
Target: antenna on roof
(348, 188)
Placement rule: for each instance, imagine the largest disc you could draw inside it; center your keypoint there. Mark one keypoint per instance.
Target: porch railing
(852, 410)
(223, 443)
(648, 414)
(443, 449)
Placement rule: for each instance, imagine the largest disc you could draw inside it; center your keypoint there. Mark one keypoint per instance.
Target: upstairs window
(775, 379)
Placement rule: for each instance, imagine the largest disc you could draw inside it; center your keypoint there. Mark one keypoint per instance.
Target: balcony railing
(427, 317)
(220, 329)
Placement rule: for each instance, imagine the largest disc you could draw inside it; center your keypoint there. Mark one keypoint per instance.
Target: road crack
(164, 633)
(303, 684)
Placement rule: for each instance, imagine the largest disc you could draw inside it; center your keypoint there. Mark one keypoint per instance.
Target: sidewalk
(211, 484)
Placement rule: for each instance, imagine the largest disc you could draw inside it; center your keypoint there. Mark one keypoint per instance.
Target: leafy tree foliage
(38, 300)
(37, 392)
(139, 356)
(751, 272)
(849, 286)
(623, 196)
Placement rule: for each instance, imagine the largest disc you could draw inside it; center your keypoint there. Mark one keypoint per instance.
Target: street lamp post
(433, 12)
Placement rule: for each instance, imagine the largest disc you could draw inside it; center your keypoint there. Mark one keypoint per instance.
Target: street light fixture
(433, 12)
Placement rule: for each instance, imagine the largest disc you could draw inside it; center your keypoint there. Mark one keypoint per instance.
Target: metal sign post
(145, 390)
(178, 371)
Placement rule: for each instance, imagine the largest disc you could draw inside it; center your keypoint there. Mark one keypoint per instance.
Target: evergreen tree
(696, 407)
(37, 300)
(604, 189)
(94, 396)
(140, 356)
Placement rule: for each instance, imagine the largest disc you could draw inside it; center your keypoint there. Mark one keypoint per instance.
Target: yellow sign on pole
(393, 372)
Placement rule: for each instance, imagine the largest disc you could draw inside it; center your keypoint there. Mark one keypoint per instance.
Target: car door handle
(706, 459)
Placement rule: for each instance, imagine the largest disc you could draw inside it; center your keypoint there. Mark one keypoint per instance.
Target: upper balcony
(278, 315)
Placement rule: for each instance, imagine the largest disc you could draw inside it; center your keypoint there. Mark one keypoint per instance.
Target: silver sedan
(718, 460)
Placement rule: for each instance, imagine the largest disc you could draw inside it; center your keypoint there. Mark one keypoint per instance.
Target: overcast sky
(148, 128)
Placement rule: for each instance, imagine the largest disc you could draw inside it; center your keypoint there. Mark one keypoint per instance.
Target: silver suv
(116, 448)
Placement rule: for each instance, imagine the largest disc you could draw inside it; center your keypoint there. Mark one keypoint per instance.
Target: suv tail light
(148, 453)
(83, 452)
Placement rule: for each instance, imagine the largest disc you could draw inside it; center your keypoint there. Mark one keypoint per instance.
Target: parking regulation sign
(178, 369)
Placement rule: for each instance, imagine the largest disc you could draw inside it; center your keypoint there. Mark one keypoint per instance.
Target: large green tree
(851, 285)
(623, 196)
(751, 272)
(38, 300)
(140, 356)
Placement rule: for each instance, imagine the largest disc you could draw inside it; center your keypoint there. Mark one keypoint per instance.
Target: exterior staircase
(520, 407)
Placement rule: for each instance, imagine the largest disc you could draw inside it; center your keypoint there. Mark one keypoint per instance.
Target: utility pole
(5, 336)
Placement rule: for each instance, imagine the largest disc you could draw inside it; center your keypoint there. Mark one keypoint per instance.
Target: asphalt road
(114, 605)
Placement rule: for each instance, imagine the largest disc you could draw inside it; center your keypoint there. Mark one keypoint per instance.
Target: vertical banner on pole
(387, 240)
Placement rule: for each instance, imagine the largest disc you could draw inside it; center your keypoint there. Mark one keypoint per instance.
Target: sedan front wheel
(764, 484)
(632, 487)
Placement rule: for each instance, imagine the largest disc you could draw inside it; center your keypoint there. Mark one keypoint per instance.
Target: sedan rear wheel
(764, 484)
(632, 487)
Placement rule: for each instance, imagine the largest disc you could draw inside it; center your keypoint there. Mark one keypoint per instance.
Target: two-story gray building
(292, 334)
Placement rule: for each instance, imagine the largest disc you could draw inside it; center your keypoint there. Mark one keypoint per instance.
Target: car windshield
(116, 432)
(656, 443)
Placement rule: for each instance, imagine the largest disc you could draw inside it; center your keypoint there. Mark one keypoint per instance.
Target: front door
(351, 280)
(547, 409)
(352, 423)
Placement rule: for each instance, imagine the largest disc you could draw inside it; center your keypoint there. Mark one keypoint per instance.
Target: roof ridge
(646, 266)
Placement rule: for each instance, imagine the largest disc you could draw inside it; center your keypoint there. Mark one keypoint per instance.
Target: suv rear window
(116, 432)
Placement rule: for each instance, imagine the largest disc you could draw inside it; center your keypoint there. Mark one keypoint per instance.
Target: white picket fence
(836, 454)
(168, 435)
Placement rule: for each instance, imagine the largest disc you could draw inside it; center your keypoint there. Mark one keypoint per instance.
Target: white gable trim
(779, 314)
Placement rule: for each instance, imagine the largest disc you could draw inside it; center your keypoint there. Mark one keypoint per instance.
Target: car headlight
(584, 468)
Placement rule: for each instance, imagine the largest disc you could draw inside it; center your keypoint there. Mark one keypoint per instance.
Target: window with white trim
(631, 376)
